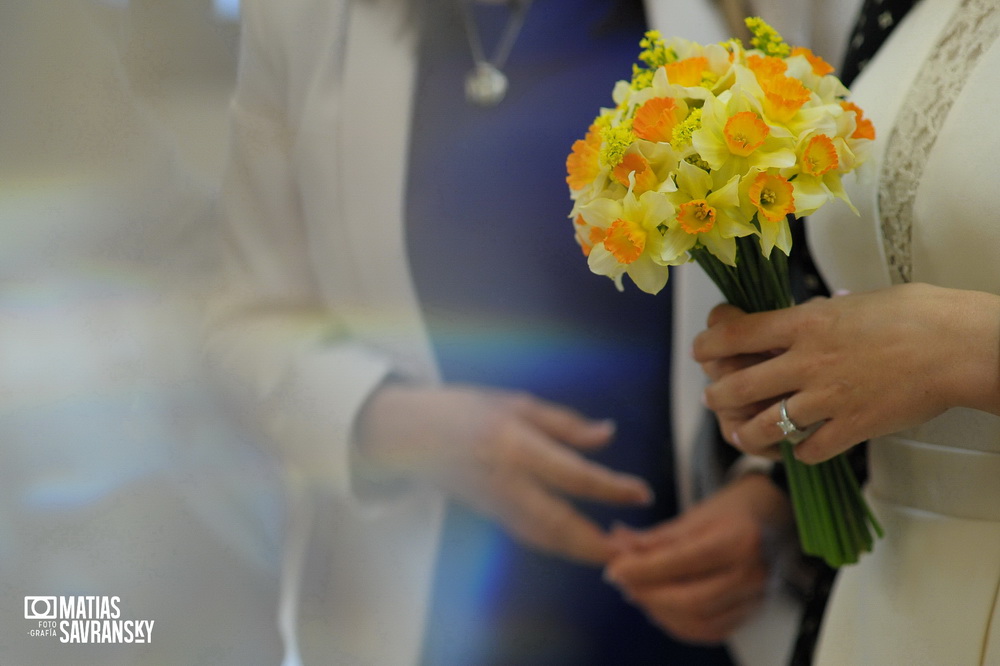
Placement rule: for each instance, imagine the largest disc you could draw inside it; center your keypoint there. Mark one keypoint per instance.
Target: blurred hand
(863, 365)
(510, 456)
(702, 574)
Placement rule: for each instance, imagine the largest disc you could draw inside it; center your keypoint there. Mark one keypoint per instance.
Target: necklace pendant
(485, 85)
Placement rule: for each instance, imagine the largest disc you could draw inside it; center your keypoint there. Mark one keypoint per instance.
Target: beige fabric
(921, 476)
(928, 593)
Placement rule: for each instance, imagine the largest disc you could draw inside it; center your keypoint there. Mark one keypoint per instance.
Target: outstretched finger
(551, 523)
(566, 425)
(697, 556)
(563, 469)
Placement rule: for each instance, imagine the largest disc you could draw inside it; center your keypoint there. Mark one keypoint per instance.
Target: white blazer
(313, 314)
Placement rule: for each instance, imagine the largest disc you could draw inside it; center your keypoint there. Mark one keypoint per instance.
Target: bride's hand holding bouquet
(863, 365)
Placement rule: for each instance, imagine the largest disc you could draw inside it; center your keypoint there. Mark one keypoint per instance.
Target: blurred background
(119, 475)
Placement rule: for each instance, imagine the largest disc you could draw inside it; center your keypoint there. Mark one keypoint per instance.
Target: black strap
(876, 21)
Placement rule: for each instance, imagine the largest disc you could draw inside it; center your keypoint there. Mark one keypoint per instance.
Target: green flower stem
(828, 529)
(801, 511)
(857, 535)
(850, 541)
(833, 519)
(857, 497)
(804, 511)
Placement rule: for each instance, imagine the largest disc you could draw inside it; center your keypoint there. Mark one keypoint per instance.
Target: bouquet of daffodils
(708, 155)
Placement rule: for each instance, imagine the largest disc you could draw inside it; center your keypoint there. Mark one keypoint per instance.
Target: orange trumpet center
(625, 240)
(745, 132)
(687, 72)
(772, 195)
(655, 120)
(820, 156)
(696, 217)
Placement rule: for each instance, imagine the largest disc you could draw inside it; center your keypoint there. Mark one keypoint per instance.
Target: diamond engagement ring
(792, 432)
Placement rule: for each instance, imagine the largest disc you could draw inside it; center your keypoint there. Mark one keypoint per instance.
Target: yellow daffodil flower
(818, 180)
(583, 163)
(634, 168)
(734, 136)
(656, 118)
(771, 198)
(863, 127)
(819, 66)
(624, 238)
(708, 213)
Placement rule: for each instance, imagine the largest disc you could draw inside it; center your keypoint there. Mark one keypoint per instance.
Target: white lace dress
(930, 212)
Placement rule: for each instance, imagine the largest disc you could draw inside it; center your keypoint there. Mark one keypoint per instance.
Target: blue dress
(510, 302)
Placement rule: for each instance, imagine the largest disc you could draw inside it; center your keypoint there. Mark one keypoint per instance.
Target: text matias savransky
(85, 619)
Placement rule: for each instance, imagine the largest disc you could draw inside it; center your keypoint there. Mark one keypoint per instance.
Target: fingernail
(704, 400)
(610, 425)
(618, 527)
(842, 292)
(622, 536)
(644, 494)
(619, 538)
(737, 442)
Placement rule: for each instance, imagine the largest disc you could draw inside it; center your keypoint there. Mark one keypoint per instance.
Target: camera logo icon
(40, 608)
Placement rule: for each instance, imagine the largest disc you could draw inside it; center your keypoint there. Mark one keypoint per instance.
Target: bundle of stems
(833, 519)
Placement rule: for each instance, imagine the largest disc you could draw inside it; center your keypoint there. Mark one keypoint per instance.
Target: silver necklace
(486, 84)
